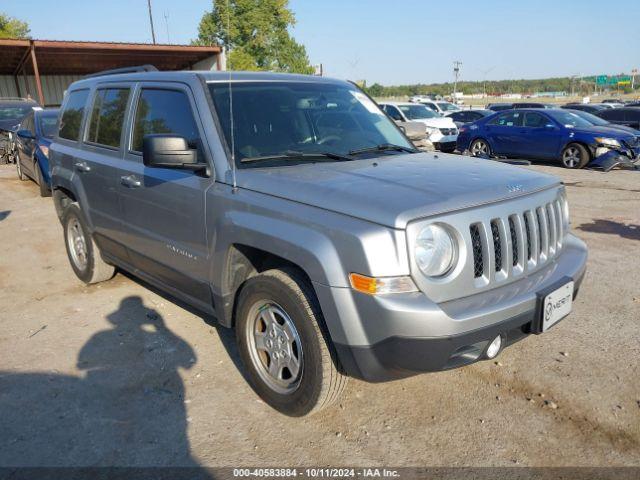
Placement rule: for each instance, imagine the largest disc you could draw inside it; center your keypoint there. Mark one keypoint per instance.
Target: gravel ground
(120, 374)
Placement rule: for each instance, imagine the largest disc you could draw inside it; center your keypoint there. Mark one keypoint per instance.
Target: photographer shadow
(128, 409)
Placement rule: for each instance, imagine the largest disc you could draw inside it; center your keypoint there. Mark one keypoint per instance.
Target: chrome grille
(534, 237)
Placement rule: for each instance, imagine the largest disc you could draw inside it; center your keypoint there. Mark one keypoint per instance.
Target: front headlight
(435, 251)
(432, 130)
(607, 142)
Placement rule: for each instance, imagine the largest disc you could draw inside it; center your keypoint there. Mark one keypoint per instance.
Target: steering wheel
(328, 138)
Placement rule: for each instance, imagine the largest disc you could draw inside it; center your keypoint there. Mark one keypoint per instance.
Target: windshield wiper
(382, 148)
(294, 154)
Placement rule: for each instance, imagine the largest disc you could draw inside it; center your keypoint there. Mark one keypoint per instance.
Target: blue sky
(406, 41)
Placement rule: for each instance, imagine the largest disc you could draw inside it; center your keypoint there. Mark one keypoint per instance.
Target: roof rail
(116, 71)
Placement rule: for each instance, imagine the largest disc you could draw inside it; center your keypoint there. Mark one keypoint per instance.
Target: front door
(539, 137)
(26, 146)
(164, 208)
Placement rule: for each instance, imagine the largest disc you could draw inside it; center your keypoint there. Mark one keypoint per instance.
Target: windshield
(48, 124)
(14, 112)
(448, 107)
(278, 118)
(568, 119)
(589, 117)
(417, 112)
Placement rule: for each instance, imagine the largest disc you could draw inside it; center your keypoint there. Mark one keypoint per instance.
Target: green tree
(256, 35)
(12, 27)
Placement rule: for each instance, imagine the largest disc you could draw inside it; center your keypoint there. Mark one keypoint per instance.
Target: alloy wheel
(77, 244)
(479, 147)
(274, 346)
(571, 157)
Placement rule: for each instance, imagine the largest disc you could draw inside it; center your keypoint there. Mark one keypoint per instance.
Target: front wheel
(283, 343)
(575, 156)
(82, 251)
(480, 147)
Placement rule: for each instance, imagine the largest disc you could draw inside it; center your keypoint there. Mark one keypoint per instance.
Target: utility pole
(456, 74)
(166, 23)
(153, 33)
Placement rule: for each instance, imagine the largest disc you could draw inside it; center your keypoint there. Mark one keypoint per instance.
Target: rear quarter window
(72, 113)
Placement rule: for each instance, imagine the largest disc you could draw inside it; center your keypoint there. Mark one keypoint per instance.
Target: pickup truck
(296, 212)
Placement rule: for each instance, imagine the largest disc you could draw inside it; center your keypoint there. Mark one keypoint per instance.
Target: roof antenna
(231, 122)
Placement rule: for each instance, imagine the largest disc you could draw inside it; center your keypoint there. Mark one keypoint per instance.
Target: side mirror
(26, 134)
(169, 151)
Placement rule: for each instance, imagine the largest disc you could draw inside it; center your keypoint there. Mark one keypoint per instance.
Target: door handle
(82, 167)
(130, 181)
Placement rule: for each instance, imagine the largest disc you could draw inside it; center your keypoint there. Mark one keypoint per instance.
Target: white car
(439, 106)
(441, 131)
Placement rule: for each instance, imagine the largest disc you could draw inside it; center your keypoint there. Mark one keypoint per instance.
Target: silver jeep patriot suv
(293, 210)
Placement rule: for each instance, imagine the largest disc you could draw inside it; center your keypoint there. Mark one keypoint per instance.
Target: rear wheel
(575, 156)
(21, 174)
(480, 147)
(82, 251)
(280, 332)
(44, 188)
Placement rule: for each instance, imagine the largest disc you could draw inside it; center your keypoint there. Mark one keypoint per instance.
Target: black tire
(320, 381)
(42, 185)
(575, 156)
(94, 269)
(21, 175)
(477, 150)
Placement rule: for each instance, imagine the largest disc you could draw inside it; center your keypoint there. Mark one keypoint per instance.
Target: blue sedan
(33, 140)
(544, 134)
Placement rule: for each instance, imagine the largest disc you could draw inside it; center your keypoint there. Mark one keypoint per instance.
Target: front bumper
(381, 338)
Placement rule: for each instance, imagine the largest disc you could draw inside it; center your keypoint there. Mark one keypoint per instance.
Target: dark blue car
(546, 134)
(33, 140)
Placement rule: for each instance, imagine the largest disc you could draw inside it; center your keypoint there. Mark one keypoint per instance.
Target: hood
(604, 131)
(439, 122)
(396, 189)
(11, 125)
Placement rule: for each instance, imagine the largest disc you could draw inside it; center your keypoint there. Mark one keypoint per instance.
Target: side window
(107, 116)
(510, 119)
(71, 118)
(27, 124)
(534, 120)
(164, 111)
(613, 114)
(431, 106)
(394, 113)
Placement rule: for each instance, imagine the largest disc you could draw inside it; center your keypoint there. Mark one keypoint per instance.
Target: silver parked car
(296, 212)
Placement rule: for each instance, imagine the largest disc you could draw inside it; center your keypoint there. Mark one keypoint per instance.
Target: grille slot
(476, 247)
(527, 228)
(539, 233)
(497, 245)
(514, 242)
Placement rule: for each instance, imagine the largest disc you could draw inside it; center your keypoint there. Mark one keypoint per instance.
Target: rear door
(98, 163)
(503, 132)
(164, 208)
